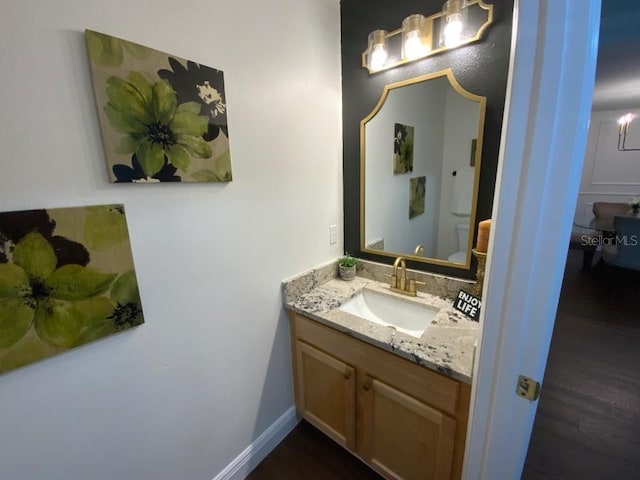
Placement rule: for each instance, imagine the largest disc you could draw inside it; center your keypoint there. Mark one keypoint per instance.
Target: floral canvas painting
(163, 118)
(66, 278)
(417, 186)
(402, 148)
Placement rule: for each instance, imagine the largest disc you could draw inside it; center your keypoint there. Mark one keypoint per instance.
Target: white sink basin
(404, 315)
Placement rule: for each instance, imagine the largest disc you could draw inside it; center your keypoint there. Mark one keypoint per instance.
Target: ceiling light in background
(624, 122)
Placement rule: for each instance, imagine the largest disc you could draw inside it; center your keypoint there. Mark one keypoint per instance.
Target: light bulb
(624, 122)
(378, 57)
(452, 21)
(413, 45)
(626, 119)
(377, 49)
(453, 31)
(412, 37)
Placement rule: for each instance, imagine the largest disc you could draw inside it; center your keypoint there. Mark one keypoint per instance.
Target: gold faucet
(419, 248)
(401, 285)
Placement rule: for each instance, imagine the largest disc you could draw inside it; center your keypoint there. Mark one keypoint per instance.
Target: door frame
(548, 104)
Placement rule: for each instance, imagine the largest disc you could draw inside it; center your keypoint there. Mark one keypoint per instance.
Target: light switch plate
(333, 234)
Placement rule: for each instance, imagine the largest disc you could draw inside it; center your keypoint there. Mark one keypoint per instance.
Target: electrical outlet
(333, 234)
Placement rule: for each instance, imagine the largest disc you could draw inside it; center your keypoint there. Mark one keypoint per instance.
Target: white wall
(607, 174)
(461, 126)
(387, 200)
(182, 395)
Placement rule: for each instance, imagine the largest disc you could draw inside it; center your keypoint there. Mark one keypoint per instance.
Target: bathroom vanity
(399, 401)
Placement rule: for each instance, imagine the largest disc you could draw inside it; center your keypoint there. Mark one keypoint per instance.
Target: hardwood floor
(308, 454)
(588, 420)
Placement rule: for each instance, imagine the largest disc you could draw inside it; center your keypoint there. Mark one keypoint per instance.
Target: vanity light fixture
(460, 22)
(624, 122)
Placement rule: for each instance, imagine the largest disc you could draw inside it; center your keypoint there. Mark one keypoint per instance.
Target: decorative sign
(468, 304)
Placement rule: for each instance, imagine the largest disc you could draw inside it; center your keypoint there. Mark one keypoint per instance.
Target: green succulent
(154, 124)
(348, 261)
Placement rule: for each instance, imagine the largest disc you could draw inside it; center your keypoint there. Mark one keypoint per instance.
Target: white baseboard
(242, 465)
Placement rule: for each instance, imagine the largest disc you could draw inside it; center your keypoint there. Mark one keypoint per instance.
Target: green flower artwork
(402, 148)
(66, 278)
(417, 189)
(163, 118)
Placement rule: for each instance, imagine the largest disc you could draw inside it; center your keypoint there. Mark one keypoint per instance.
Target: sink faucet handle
(412, 284)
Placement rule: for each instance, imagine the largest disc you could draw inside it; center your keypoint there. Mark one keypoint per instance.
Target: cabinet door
(404, 438)
(326, 393)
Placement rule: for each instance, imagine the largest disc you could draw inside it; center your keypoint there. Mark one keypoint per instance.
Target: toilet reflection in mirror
(448, 124)
(462, 232)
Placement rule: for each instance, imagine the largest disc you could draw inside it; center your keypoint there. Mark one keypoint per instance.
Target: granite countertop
(446, 346)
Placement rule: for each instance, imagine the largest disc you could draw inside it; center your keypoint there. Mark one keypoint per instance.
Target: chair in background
(588, 237)
(626, 251)
(604, 213)
(584, 239)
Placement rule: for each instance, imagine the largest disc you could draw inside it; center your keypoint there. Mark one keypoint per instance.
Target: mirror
(420, 152)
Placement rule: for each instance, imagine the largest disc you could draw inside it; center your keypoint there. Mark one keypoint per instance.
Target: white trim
(617, 184)
(608, 194)
(547, 112)
(251, 456)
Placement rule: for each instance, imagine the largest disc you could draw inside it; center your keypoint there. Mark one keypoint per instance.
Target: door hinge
(528, 388)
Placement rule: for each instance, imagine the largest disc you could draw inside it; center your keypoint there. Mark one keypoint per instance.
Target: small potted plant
(347, 265)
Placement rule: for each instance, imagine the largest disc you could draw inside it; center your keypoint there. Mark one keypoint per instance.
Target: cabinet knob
(367, 384)
(347, 374)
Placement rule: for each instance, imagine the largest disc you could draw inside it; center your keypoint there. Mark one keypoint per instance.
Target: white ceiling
(618, 68)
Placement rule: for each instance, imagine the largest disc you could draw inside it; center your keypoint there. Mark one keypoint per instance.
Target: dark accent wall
(481, 68)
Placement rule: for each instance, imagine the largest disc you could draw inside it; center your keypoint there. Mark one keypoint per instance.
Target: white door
(543, 143)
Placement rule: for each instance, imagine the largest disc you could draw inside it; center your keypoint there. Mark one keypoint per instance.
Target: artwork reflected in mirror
(437, 125)
(416, 196)
(402, 148)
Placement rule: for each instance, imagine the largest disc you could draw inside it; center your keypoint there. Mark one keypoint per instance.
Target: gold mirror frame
(482, 104)
(396, 59)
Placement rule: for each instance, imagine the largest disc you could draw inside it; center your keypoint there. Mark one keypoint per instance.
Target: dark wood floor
(307, 454)
(588, 420)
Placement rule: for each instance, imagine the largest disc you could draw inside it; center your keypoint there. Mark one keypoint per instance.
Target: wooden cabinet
(327, 395)
(406, 421)
(404, 437)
